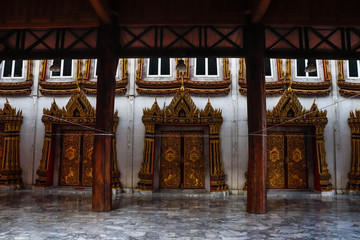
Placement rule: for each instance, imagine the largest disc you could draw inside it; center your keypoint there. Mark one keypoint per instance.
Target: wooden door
(275, 160)
(71, 158)
(86, 167)
(194, 169)
(170, 160)
(296, 161)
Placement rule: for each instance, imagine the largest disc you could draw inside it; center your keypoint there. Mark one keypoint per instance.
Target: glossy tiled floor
(30, 215)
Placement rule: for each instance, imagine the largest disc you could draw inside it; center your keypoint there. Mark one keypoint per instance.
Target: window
(300, 69)
(12, 69)
(65, 68)
(159, 67)
(353, 69)
(268, 70)
(206, 67)
(96, 69)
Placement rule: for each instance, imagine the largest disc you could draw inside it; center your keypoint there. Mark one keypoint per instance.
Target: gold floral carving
(77, 111)
(182, 111)
(10, 122)
(346, 88)
(19, 88)
(82, 80)
(226, 68)
(354, 174)
(194, 87)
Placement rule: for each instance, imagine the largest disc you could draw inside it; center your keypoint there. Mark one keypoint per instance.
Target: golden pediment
(182, 110)
(9, 111)
(182, 106)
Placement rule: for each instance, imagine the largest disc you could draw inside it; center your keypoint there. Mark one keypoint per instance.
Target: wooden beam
(254, 37)
(102, 9)
(102, 191)
(259, 9)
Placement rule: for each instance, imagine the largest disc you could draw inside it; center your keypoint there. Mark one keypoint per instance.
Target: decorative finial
(182, 81)
(290, 83)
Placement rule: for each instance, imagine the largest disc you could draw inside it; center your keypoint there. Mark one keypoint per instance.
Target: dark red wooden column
(254, 41)
(101, 191)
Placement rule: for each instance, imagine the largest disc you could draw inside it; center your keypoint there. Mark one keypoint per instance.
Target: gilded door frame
(290, 112)
(182, 111)
(78, 111)
(10, 171)
(169, 128)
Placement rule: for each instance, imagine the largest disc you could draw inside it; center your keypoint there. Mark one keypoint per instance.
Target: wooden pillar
(254, 41)
(107, 61)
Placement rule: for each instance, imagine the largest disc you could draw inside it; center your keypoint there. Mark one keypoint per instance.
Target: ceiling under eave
(80, 13)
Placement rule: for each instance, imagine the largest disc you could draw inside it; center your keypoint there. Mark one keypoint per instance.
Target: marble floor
(27, 214)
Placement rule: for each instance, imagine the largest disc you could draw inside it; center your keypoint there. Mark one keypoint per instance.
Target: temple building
(180, 129)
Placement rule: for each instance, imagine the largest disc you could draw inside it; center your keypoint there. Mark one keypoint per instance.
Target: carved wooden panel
(296, 161)
(194, 175)
(88, 146)
(275, 160)
(170, 172)
(70, 159)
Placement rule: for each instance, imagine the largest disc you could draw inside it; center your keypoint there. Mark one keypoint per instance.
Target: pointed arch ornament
(10, 171)
(182, 111)
(78, 111)
(289, 111)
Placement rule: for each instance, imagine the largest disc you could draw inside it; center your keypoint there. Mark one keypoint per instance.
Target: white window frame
(62, 69)
(306, 73)
(207, 69)
(348, 70)
(159, 69)
(271, 69)
(95, 67)
(13, 70)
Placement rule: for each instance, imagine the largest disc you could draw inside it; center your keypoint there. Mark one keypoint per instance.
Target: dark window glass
(313, 74)
(267, 67)
(353, 68)
(165, 66)
(212, 66)
(18, 68)
(153, 66)
(96, 69)
(67, 67)
(300, 68)
(200, 66)
(7, 68)
(56, 62)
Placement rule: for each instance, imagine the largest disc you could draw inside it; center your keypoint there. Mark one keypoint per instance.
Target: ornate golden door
(194, 168)
(170, 162)
(287, 166)
(76, 159)
(275, 160)
(296, 162)
(182, 160)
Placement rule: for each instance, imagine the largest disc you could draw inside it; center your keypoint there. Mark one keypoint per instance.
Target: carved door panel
(296, 161)
(194, 175)
(86, 168)
(70, 159)
(170, 161)
(275, 160)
